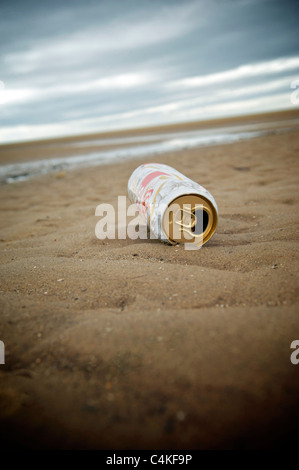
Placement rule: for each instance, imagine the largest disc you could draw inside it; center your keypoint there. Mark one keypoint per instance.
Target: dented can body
(175, 208)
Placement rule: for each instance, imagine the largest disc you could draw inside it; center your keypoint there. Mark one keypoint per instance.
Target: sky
(77, 67)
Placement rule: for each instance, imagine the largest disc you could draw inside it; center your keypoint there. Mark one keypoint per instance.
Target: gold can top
(190, 218)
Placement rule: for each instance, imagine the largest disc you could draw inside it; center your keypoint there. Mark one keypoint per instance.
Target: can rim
(207, 207)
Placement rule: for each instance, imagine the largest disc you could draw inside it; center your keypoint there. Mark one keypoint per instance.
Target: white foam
(185, 140)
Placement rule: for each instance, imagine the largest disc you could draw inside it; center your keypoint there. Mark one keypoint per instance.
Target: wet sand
(136, 344)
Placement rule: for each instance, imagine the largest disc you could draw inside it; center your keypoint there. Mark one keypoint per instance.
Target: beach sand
(123, 344)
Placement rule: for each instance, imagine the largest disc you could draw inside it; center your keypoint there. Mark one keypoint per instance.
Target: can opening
(201, 221)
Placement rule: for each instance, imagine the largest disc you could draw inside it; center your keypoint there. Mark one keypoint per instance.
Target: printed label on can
(155, 188)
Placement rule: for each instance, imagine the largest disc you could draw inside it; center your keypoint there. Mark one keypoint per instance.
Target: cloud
(243, 71)
(238, 107)
(130, 33)
(123, 81)
(9, 96)
(231, 92)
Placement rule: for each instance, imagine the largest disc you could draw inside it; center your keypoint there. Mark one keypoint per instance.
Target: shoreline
(103, 152)
(64, 146)
(202, 124)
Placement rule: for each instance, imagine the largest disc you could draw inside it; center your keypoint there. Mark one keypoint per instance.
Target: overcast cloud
(79, 67)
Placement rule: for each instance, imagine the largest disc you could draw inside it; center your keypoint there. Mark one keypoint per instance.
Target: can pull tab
(188, 219)
(193, 220)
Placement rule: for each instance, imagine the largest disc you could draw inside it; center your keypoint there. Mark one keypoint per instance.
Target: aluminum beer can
(175, 208)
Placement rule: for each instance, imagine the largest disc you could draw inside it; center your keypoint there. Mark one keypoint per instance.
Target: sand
(136, 344)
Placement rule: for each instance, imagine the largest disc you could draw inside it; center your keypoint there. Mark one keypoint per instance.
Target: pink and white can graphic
(175, 208)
